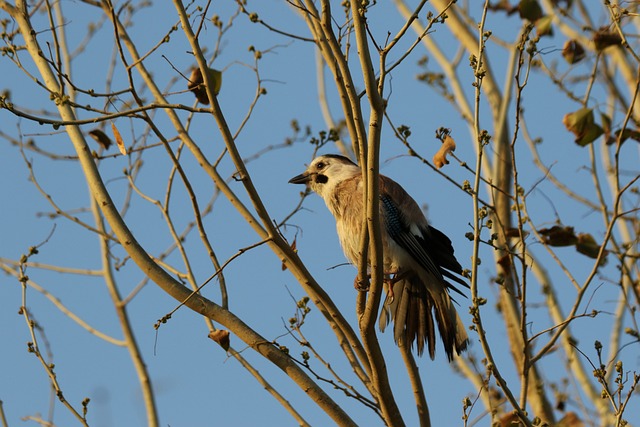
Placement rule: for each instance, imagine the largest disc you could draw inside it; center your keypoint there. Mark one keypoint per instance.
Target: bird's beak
(303, 178)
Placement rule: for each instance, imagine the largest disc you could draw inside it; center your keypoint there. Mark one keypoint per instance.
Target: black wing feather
(432, 250)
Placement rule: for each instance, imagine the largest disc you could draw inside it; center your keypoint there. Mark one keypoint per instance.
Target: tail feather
(412, 309)
(401, 312)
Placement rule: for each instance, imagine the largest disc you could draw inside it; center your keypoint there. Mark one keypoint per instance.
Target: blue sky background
(195, 383)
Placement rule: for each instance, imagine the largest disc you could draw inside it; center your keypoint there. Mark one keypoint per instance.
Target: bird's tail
(412, 306)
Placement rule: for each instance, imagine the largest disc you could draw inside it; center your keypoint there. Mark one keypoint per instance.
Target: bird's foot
(399, 276)
(390, 281)
(361, 285)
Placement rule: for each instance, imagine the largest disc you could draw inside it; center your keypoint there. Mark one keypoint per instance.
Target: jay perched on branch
(419, 263)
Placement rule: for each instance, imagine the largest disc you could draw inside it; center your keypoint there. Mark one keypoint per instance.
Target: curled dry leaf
(544, 26)
(119, 141)
(612, 136)
(448, 146)
(604, 37)
(582, 124)
(505, 262)
(624, 135)
(196, 84)
(570, 420)
(530, 10)
(573, 52)
(559, 236)
(513, 232)
(221, 336)
(101, 138)
(588, 246)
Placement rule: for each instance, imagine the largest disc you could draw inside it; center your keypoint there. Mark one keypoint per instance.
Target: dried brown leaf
(515, 232)
(448, 147)
(626, 134)
(573, 52)
(570, 420)
(101, 138)
(544, 26)
(588, 246)
(582, 124)
(119, 141)
(505, 262)
(530, 10)
(196, 84)
(221, 336)
(559, 236)
(604, 37)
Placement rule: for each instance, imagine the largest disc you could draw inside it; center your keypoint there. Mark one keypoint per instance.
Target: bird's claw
(390, 296)
(360, 284)
(363, 285)
(391, 281)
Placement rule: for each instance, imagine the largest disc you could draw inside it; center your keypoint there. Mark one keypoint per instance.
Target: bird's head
(325, 172)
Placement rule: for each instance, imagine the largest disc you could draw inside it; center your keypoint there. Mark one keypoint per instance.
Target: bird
(419, 264)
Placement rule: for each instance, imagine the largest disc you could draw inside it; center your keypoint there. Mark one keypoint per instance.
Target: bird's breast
(350, 232)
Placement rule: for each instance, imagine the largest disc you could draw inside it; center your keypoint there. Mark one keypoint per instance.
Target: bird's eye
(320, 165)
